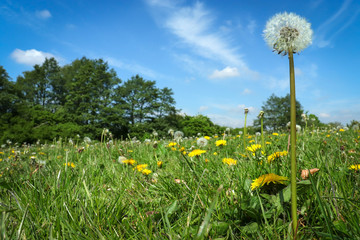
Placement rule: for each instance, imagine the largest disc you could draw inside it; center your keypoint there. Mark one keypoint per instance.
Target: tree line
(85, 97)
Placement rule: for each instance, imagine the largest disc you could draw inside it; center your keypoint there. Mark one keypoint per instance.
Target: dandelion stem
(245, 132)
(262, 133)
(293, 142)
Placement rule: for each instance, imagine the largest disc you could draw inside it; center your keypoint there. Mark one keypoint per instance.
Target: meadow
(204, 187)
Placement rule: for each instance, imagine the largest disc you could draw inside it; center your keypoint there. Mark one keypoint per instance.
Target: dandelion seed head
(202, 142)
(288, 31)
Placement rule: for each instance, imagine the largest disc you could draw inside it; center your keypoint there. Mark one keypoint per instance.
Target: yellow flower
(215, 153)
(216, 136)
(229, 161)
(355, 167)
(253, 147)
(249, 136)
(129, 162)
(70, 164)
(206, 160)
(220, 143)
(182, 149)
(251, 141)
(184, 152)
(159, 164)
(196, 152)
(275, 134)
(266, 179)
(276, 155)
(172, 144)
(146, 171)
(173, 149)
(341, 130)
(0, 159)
(328, 135)
(207, 137)
(1, 152)
(140, 167)
(268, 143)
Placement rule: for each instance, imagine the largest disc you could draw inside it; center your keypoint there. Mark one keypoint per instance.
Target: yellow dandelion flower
(251, 141)
(249, 136)
(268, 143)
(355, 167)
(275, 134)
(129, 161)
(159, 164)
(70, 164)
(196, 152)
(207, 137)
(266, 179)
(253, 147)
(328, 135)
(276, 155)
(229, 161)
(0, 159)
(215, 153)
(140, 167)
(146, 171)
(216, 136)
(182, 149)
(341, 130)
(173, 149)
(172, 144)
(184, 152)
(220, 143)
(206, 160)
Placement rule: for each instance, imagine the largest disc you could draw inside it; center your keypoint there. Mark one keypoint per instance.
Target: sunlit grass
(100, 190)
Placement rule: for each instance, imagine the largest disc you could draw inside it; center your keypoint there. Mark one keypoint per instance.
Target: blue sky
(211, 53)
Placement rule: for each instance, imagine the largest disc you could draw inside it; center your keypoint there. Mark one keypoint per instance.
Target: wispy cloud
(195, 27)
(31, 57)
(135, 68)
(340, 20)
(227, 72)
(43, 14)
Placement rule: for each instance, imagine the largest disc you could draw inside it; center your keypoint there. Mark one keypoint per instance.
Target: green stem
(245, 132)
(262, 134)
(293, 143)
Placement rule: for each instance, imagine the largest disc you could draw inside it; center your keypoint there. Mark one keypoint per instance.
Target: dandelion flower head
(253, 147)
(288, 31)
(266, 179)
(220, 143)
(355, 167)
(202, 142)
(229, 161)
(196, 152)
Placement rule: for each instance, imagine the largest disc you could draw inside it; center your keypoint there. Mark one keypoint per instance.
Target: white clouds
(227, 121)
(30, 57)
(246, 91)
(203, 108)
(227, 72)
(324, 115)
(251, 26)
(335, 24)
(196, 29)
(135, 68)
(43, 14)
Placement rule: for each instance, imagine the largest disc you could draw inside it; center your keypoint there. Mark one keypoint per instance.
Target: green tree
(89, 100)
(277, 113)
(138, 98)
(36, 86)
(192, 125)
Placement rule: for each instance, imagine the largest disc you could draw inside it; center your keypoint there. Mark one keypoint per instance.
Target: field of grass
(99, 190)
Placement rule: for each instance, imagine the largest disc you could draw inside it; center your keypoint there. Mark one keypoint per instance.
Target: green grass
(187, 198)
